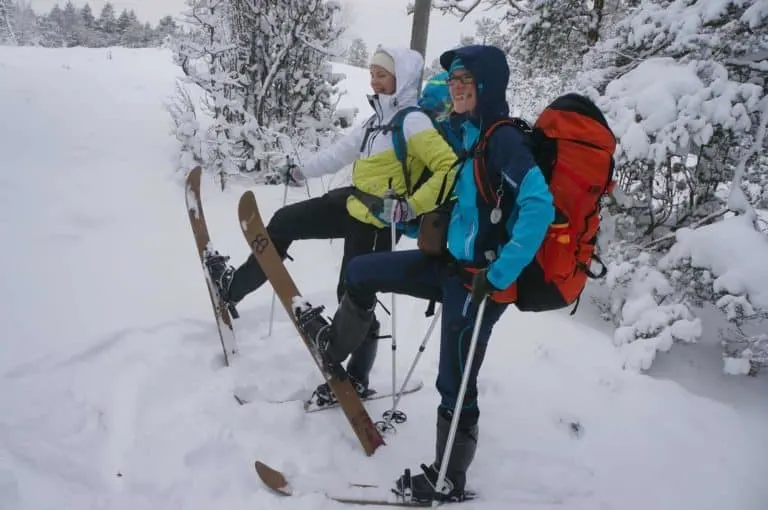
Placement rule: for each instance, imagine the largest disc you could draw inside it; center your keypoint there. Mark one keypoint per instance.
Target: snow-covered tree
(23, 23)
(7, 34)
(72, 27)
(86, 14)
(672, 87)
(357, 53)
(107, 25)
(261, 66)
(166, 27)
(75, 26)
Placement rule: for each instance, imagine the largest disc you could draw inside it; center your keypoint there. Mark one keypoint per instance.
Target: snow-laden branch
(463, 8)
(736, 198)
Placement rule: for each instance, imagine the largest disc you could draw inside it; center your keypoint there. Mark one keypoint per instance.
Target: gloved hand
(290, 174)
(399, 207)
(481, 287)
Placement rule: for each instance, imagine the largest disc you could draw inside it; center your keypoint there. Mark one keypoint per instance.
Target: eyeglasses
(465, 79)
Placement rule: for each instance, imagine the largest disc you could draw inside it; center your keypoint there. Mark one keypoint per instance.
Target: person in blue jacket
(478, 79)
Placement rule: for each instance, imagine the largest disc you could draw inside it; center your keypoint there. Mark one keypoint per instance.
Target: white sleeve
(336, 156)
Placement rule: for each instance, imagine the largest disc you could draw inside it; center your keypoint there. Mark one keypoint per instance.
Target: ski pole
(393, 240)
(389, 416)
(440, 484)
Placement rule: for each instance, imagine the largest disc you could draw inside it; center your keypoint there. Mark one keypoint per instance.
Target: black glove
(481, 287)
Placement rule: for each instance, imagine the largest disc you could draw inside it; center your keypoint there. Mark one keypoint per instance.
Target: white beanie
(383, 59)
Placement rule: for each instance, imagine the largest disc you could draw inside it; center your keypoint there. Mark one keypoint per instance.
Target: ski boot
(317, 329)
(323, 395)
(423, 488)
(221, 275)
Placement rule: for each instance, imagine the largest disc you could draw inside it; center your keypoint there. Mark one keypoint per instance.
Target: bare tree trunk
(420, 27)
(593, 34)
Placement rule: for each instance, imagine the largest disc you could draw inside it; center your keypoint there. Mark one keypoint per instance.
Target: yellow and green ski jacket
(371, 149)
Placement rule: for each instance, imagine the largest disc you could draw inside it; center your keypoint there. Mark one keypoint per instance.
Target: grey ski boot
(422, 486)
(362, 359)
(350, 328)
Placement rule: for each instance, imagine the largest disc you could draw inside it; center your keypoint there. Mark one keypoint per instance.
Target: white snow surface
(113, 392)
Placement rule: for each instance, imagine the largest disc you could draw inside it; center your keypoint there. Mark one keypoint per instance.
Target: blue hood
(488, 65)
(435, 96)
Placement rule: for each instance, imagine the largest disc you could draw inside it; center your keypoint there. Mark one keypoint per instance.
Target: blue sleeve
(535, 212)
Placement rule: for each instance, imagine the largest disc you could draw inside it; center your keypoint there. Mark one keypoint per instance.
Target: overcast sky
(376, 21)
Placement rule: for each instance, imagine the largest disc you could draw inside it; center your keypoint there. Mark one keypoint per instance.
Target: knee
(354, 273)
(279, 220)
(357, 281)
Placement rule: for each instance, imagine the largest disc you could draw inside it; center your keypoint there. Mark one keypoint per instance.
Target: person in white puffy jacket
(380, 192)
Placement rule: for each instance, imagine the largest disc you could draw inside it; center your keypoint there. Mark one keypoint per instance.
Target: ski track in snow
(114, 394)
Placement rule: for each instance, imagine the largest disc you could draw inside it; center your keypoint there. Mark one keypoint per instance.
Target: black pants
(324, 217)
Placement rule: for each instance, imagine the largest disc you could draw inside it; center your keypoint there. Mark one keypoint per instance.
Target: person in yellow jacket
(380, 191)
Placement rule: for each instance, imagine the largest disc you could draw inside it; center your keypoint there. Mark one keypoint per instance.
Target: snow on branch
(462, 8)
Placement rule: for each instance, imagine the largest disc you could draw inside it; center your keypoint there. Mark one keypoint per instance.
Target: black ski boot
(318, 330)
(221, 274)
(323, 395)
(422, 487)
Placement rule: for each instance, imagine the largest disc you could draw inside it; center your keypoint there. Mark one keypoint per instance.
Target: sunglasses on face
(465, 79)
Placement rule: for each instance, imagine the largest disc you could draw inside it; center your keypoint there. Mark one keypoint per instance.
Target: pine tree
(72, 26)
(357, 53)
(165, 27)
(51, 28)
(86, 14)
(107, 25)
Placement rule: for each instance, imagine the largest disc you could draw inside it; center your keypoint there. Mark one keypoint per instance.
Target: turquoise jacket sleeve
(535, 213)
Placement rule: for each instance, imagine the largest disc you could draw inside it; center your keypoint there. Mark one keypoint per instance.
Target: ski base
(310, 331)
(277, 482)
(311, 406)
(247, 395)
(222, 312)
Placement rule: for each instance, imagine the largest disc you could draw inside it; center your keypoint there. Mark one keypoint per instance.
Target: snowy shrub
(648, 313)
(725, 264)
(267, 86)
(187, 129)
(674, 91)
(656, 297)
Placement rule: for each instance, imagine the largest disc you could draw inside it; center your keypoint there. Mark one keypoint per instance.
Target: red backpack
(573, 146)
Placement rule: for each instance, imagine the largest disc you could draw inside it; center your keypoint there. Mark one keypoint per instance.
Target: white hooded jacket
(372, 150)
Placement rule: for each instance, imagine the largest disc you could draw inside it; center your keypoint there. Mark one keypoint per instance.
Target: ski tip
(247, 199)
(273, 479)
(194, 174)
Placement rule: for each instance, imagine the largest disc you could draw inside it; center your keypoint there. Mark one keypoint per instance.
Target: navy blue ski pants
(414, 274)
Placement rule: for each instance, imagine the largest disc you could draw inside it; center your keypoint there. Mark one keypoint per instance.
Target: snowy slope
(113, 393)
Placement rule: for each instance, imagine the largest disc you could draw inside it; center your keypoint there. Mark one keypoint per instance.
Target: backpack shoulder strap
(484, 185)
(399, 143)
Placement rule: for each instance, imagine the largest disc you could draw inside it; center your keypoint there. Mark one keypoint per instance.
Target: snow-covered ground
(113, 392)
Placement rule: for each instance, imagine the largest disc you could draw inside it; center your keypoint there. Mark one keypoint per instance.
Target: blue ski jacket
(470, 236)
